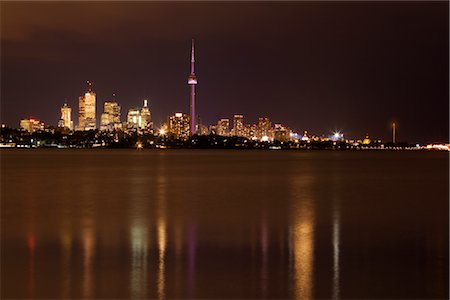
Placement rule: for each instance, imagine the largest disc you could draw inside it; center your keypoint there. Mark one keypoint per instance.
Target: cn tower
(192, 81)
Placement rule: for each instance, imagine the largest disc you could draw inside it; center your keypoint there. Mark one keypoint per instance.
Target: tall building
(86, 114)
(264, 131)
(31, 125)
(66, 117)
(238, 125)
(146, 117)
(179, 126)
(134, 118)
(192, 81)
(110, 118)
(223, 127)
(251, 131)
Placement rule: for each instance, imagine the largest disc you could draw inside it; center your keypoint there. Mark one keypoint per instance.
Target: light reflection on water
(88, 240)
(336, 237)
(66, 244)
(202, 225)
(139, 234)
(161, 258)
(303, 235)
(336, 213)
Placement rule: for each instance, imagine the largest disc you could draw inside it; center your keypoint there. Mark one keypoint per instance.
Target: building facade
(223, 127)
(238, 125)
(87, 113)
(134, 119)
(66, 117)
(264, 132)
(146, 117)
(179, 126)
(110, 118)
(31, 125)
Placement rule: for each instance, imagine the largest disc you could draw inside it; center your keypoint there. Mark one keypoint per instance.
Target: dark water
(223, 224)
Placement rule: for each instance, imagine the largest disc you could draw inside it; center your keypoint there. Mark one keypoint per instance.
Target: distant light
(265, 138)
(337, 135)
(178, 115)
(162, 131)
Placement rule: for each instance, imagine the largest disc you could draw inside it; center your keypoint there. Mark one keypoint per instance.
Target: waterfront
(224, 224)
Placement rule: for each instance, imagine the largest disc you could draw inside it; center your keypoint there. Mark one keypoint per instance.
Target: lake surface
(224, 224)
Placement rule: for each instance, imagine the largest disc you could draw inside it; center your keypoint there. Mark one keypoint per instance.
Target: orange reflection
(88, 241)
(303, 235)
(161, 227)
(162, 252)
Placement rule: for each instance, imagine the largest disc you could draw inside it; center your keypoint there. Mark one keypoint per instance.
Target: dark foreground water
(223, 224)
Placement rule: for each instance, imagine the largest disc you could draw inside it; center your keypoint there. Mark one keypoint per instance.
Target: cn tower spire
(192, 58)
(192, 81)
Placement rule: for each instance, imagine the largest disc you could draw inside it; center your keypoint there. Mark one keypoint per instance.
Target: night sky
(316, 66)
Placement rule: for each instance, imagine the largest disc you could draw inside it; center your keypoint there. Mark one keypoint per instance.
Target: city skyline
(297, 74)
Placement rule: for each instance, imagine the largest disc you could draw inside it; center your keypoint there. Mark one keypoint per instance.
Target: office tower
(192, 81)
(179, 126)
(264, 131)
(238, 125)
(31, 125)
(146, 117)
(110, 118)
(223, 127)
(134, 118)
(251, 131)
(66, 117)
(86, 114)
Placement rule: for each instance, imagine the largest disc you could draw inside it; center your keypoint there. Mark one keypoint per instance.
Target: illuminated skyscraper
(31, 125)
(238, 125)
(251, 131)
(66, 117)
(179, 126)
(86, 114)
(223, 127)
(264, 131)
(134, 118)
(192, 81)
(146, 117)
(111, 116)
